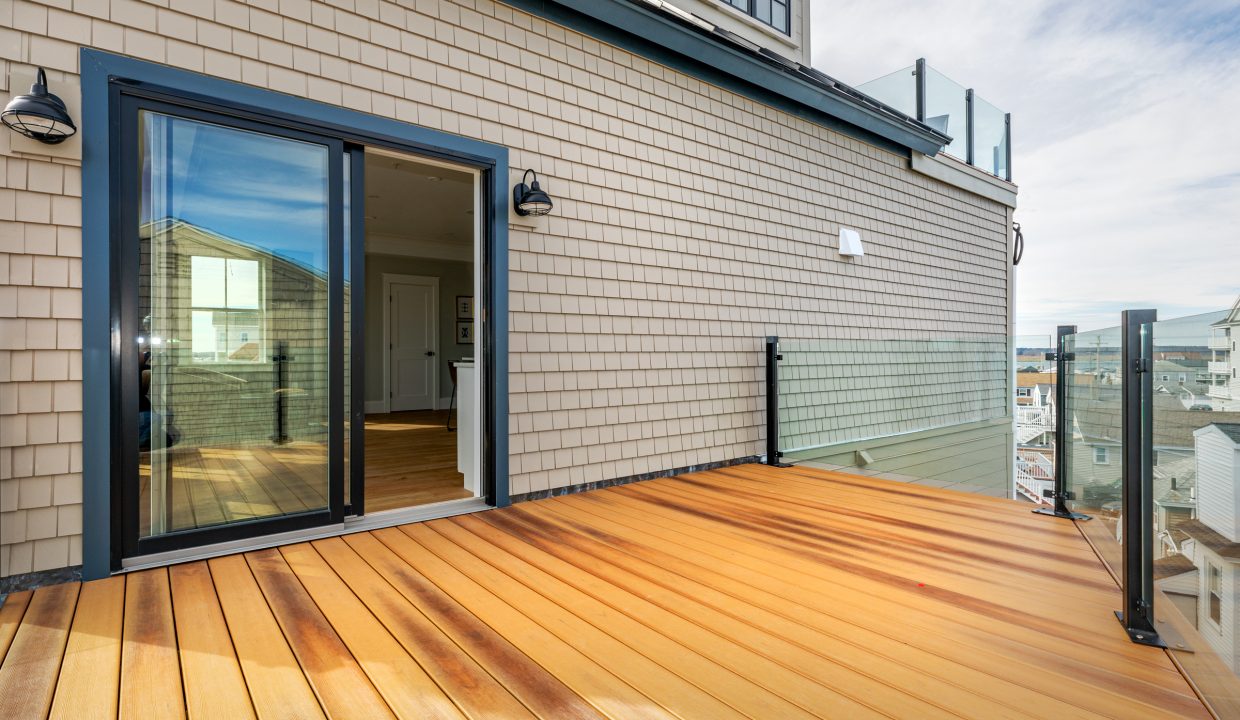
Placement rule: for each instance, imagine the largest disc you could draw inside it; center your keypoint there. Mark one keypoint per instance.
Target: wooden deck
(410, 460)
(746, 591)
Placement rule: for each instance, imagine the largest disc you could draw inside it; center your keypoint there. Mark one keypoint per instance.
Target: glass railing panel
(931, 410)
(1196, 513)
(1093, 456)
(897, 89)
(990, 138)
(946, 110)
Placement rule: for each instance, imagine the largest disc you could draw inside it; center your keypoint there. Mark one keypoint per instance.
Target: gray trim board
(654, 475)
(965, 177)
(658, 36)
(101, 337)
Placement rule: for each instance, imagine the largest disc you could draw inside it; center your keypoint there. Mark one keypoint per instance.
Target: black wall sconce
(40, 115)
(530, 199)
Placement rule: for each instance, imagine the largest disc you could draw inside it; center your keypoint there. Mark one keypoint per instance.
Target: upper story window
(769, 12)
(1214, 585)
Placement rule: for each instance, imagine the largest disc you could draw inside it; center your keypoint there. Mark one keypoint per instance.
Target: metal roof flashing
(719, 55)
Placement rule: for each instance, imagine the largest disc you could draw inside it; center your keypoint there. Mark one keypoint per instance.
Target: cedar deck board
(635, 601)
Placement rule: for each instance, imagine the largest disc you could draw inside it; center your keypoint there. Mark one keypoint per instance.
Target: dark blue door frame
(105, 77)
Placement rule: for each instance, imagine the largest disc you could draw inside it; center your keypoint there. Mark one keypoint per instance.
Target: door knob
(430, 353)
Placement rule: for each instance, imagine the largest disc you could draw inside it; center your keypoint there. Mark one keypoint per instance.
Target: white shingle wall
(690, 222)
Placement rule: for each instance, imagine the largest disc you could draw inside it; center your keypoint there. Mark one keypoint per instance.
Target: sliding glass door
(232, 364)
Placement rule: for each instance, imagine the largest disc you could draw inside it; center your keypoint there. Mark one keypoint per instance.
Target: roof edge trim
(660, 37)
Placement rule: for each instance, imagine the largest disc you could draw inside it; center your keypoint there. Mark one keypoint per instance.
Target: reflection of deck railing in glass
(1035, 476)
(981, 133)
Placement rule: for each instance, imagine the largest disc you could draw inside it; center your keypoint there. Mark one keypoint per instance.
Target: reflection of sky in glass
(989, 136)
(897, 89)
(945, 110)
(266, 192)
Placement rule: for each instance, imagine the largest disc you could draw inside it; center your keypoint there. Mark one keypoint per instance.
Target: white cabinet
(467, 424)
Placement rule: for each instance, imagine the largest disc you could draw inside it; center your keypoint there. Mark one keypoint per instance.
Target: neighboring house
(344, 174)
(1224, 367)
(1214, 541)
(1096, 462)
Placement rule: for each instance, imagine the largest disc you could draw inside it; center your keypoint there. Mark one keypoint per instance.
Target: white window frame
(1213, 571)
(264, 351)
(1106, 455)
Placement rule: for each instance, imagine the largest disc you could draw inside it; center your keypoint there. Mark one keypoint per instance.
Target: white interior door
(413, 333)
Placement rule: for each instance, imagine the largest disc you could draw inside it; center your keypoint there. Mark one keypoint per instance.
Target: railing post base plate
(1055, 513)
(1140, 637)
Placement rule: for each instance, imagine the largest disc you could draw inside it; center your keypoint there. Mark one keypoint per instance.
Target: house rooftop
(1211, 538)
(1231, 430)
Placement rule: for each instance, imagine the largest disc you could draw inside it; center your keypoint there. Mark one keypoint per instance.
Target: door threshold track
(378, 520)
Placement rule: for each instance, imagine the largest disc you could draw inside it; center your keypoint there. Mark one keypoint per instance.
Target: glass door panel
(233, 325)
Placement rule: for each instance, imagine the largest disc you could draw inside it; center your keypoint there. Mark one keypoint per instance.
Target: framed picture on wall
(464, 332)
(464, 307)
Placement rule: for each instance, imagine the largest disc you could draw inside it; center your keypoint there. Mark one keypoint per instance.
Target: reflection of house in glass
(231, 326)
(1097, 456)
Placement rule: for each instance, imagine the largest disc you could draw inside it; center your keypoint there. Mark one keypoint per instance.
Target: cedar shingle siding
(690, 222)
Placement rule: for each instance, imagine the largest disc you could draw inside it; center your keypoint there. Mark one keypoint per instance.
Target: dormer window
(768, 12)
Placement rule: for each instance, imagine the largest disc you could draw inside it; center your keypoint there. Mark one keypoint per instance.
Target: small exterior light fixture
(530, 199)
(40, 115)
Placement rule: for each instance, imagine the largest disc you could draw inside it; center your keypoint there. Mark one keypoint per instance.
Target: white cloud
(1125, 140)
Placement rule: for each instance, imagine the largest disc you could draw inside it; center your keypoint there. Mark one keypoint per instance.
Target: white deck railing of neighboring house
(1033, 421)
(1220, 342)
(1222, 392)
(1035, 476)
(1218, 368)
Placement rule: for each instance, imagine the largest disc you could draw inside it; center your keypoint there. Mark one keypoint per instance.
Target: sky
(1126, 137)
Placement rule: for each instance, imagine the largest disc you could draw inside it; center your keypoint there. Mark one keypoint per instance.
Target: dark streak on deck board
(743, 591)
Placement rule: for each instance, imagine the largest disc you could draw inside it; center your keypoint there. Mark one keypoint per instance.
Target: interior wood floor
(410, 460)
(741, 592)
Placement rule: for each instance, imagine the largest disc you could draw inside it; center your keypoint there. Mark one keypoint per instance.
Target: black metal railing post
(1137, 519)
(968, 127)
(1007, 146)
(772, 401)
(1060, 493)
(920, 74)
(280, 363)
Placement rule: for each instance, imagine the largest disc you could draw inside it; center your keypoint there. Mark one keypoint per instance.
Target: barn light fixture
(40, 115)
(530, 199)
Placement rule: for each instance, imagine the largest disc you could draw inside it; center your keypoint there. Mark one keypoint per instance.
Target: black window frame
(130, 102)
(750, 8)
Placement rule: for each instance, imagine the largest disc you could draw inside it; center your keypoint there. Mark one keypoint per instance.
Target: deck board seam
(836, 619)
(716, 532)
(366, 608)
(287, 641)
(638, 621)
(541, 622)
(772, 633)
(756, 651)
